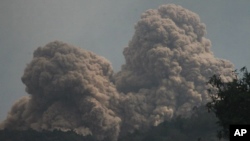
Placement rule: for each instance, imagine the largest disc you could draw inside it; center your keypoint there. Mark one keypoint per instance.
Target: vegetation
(230, 101)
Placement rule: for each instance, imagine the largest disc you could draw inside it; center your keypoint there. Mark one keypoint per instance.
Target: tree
(230, 101)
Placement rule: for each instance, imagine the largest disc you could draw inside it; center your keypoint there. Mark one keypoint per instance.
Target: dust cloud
(168, 62)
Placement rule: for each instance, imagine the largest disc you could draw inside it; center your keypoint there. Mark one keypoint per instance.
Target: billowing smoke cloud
(69, 88)
(168, 62)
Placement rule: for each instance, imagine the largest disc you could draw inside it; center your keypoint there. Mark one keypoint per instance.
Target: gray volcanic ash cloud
(69, 88)
(168, 62)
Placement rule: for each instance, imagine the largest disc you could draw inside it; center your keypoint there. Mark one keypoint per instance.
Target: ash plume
(69, 89)
(168, 62)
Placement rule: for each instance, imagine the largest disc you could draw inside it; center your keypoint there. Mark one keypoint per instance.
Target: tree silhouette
(230, 101)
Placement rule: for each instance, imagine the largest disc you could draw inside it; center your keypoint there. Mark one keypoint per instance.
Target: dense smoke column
(69, 89)
(168, 62)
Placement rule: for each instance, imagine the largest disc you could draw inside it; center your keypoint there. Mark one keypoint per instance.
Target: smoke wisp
(168, 62)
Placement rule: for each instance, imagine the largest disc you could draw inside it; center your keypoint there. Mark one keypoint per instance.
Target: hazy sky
(104, 27)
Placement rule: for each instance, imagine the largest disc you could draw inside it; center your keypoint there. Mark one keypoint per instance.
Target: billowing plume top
(168, 41)
(59, 67)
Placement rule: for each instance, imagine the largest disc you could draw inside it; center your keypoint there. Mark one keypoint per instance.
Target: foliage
(230, 101)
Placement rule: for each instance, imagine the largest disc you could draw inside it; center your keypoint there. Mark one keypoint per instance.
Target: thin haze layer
(168, 62)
